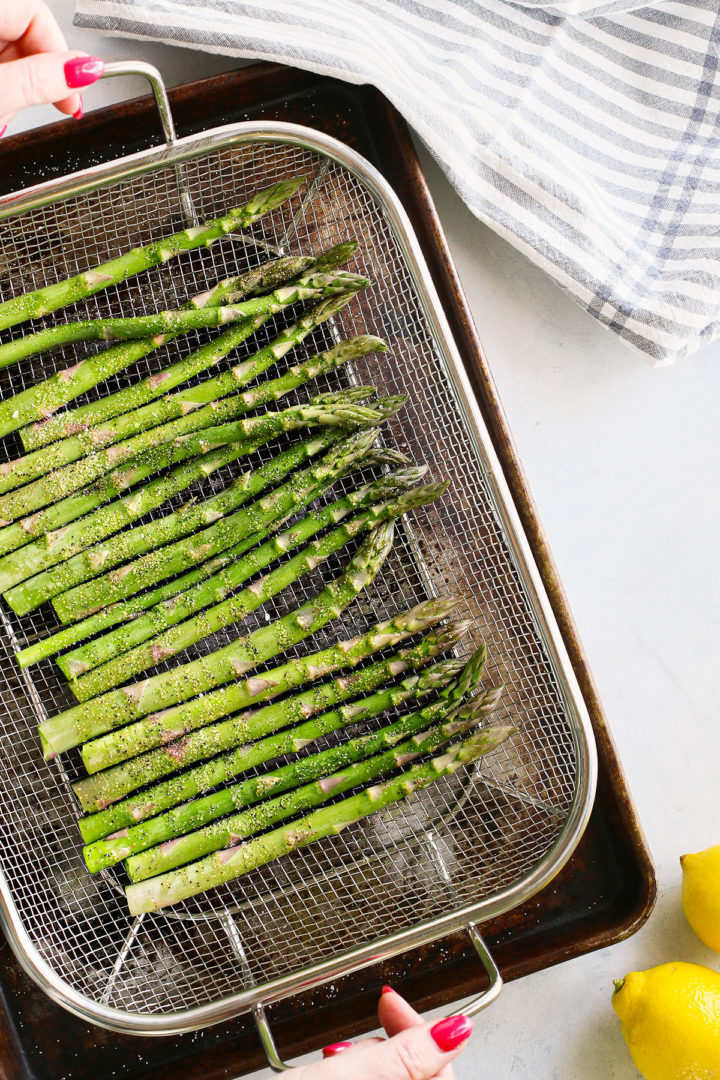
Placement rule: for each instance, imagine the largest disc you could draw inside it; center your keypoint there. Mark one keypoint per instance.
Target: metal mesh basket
(464, 849)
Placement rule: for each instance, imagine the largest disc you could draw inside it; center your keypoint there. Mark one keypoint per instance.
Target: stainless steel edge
(363, 956)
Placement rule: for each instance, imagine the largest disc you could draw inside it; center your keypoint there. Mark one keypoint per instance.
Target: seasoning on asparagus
(192, 815)
(42, 301)
(186, 847)
(125, 611)
(233, 609)
(85, 598)
(235, 733)
(236, 570)
(262, 279)
(75, 476)
(61, 544)
(38, 463)
(245, 653)
(185, 833)
(233, 862)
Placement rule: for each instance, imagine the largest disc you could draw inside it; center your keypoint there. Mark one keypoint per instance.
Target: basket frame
(352, 959)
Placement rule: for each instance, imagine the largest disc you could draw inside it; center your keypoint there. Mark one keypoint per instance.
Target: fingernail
(83, 70)
(3, 129)
(449, 1033)
(335, 1048)
(387, 990)
(80, 112)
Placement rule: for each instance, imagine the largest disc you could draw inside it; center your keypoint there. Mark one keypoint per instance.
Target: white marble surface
(623, 462)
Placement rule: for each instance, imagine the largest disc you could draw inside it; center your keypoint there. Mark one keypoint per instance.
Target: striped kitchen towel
(586, 133)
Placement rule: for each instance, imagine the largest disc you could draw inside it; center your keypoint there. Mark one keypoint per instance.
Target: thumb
(42, 79)
(418, 1053)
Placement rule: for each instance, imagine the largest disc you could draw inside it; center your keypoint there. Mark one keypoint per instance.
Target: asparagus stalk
(125, 611)
(79, 474)
(248, 437)
(118, 707)
(136, 469)
(195, 739)
(193, 548)
(67, 541)
(183, 523)
(237, 607)
(324, 783)
(231, 863)
(233, 734)
(199, 812)
(185, 833)
(42, 301)
(41, 400)
(262, 279)
(175, 406)
(134, 328)
(233, 572)
(61, 544)
(89, 596)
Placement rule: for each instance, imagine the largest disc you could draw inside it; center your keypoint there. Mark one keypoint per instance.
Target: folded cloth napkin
(587, 134)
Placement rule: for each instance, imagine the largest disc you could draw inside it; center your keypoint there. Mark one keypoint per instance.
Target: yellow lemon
(670, 1018)
(701, 894)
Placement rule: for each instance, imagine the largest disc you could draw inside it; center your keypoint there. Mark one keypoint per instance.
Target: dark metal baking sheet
(607, 889)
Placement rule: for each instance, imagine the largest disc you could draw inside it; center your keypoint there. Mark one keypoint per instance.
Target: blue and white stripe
(586, 133)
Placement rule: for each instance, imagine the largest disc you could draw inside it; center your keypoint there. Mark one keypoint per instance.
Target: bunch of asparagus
(167, 757)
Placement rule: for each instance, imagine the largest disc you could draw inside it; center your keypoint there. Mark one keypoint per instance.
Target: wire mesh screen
(458, 842)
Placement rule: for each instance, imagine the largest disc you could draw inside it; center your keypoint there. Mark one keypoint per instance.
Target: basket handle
(138, 67)
(474, 1006)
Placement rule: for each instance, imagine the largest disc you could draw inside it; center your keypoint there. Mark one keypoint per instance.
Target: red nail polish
(387, 990)
(83, 70)
(3, 129)
(80, 112)
(335, 1048)
(449, 1033)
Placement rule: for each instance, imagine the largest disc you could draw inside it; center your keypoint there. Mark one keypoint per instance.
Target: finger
(46, 78)
(418, 1053)
(32, 25)
(396, 1015)
(339, 1048)
(33, 30)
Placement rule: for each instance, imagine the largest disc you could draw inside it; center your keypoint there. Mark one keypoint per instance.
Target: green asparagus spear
(126, 611)
(199, 812)
(237, 607)
(86, 598)
(41, 400)
(234, 733)
(79, 474)
(231, 863)
(61, 544)
(193, 548)
(118, 707)
(25, 469)
(262, 279)
(234, 572)
(34, 591)
(183, 846)
(35, 304)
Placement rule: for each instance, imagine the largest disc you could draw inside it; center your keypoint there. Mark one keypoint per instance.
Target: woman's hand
(413, 1050)
(36, 67)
